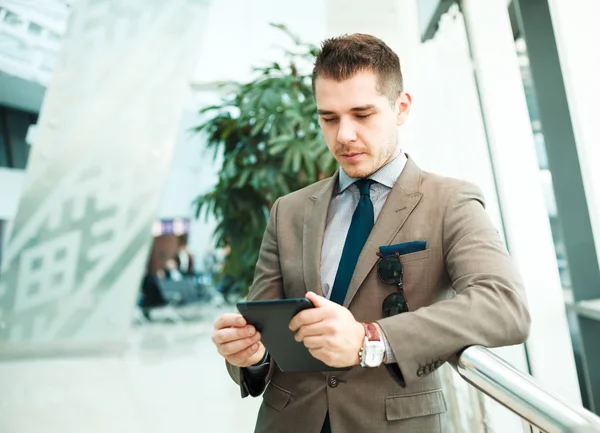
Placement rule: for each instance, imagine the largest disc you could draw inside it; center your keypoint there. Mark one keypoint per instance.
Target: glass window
(35, 29)
(14, 124)
(3, 145)
(18, 124)
(12, 19)
(545, 174)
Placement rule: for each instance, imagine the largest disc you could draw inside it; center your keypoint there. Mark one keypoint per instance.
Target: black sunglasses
(390, 271)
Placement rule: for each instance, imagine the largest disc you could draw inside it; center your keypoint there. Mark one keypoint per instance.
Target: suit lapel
(401, 201)
(315, 218)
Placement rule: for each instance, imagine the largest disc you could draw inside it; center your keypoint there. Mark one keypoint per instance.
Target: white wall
(240, 37)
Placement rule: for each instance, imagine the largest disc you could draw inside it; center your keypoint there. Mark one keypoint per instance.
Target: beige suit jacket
(463, 290)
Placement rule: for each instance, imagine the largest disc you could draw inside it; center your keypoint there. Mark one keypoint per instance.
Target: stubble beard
(391, 151)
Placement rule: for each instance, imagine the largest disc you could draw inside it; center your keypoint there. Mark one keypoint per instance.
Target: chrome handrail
(521, 394)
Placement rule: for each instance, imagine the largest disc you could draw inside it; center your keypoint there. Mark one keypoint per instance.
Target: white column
(73, 264)
(526, 220)
(577, 34)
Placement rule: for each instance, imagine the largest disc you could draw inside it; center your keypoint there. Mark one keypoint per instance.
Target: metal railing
(521, 394)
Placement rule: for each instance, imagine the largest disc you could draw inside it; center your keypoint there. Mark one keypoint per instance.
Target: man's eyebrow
(324, 112)
(361, 108)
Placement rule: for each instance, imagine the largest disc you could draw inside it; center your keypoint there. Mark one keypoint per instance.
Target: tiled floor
(170, 381)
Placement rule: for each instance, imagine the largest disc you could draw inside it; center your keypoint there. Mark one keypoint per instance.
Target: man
(326, 242)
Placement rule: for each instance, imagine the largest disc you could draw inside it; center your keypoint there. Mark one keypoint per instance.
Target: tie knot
(364, 186)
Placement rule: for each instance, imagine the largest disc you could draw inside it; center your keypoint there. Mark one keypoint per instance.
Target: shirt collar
(386, 175)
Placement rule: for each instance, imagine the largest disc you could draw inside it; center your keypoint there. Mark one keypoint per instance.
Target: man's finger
(313, 343)
(306, 317)
(227, 335)
(312, 330)
(228, 320)
(241, 357)
(233, 347)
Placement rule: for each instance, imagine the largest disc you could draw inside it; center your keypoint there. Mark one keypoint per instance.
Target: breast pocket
(413, 257)
(418, 278)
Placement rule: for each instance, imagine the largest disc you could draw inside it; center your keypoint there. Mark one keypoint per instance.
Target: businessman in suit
(404, 267)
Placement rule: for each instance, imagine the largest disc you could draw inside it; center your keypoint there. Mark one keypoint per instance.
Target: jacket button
(333, 381)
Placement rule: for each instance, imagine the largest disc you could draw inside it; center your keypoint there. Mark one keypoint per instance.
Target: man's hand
(236, 341)
(330, 332)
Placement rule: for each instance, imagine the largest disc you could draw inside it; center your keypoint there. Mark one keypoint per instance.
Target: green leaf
(296, 160)
(244, 175)
(258, 127)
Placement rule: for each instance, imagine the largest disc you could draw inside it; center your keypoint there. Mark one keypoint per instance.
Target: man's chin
(357, 171)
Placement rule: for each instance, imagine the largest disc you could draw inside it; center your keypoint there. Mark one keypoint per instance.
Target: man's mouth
(351, 156)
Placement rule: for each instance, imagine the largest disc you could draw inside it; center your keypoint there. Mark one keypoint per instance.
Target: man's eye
(330, 119)
(363, 116)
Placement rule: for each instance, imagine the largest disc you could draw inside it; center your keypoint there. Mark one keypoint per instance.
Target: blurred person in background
(185, 260)
(172, 270)
(152, 296)
(404, 267)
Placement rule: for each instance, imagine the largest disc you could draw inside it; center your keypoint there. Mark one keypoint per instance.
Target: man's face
(359, 123)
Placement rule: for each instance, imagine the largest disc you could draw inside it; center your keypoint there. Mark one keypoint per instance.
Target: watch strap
(371, 331)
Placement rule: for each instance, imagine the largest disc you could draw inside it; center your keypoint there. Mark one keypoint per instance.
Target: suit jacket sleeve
(267, 285)
(489, 307)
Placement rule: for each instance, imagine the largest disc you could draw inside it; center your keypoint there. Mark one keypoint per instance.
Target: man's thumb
(318, 301)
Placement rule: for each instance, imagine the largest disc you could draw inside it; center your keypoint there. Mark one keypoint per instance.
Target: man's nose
(346, 132)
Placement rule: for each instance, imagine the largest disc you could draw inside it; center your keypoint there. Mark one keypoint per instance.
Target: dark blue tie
(360, 227)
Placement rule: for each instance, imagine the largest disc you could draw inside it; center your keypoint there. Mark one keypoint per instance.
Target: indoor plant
(267, 133)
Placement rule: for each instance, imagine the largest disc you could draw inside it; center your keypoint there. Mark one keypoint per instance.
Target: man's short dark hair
(343, 57)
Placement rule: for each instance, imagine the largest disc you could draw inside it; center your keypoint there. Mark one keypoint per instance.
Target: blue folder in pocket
(404, 248)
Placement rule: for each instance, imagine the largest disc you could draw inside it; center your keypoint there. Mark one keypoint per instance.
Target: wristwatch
(373, 350)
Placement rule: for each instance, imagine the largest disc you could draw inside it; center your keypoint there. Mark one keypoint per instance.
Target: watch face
(374, 353)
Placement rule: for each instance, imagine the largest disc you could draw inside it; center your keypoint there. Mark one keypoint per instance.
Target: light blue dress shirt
(339, 217)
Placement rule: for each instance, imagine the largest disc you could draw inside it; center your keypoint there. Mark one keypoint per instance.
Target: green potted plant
(267, 134)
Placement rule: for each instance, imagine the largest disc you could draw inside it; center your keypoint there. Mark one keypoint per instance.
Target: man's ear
(404, 104)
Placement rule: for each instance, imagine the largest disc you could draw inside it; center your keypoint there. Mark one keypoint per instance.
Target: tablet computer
(272, 319)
